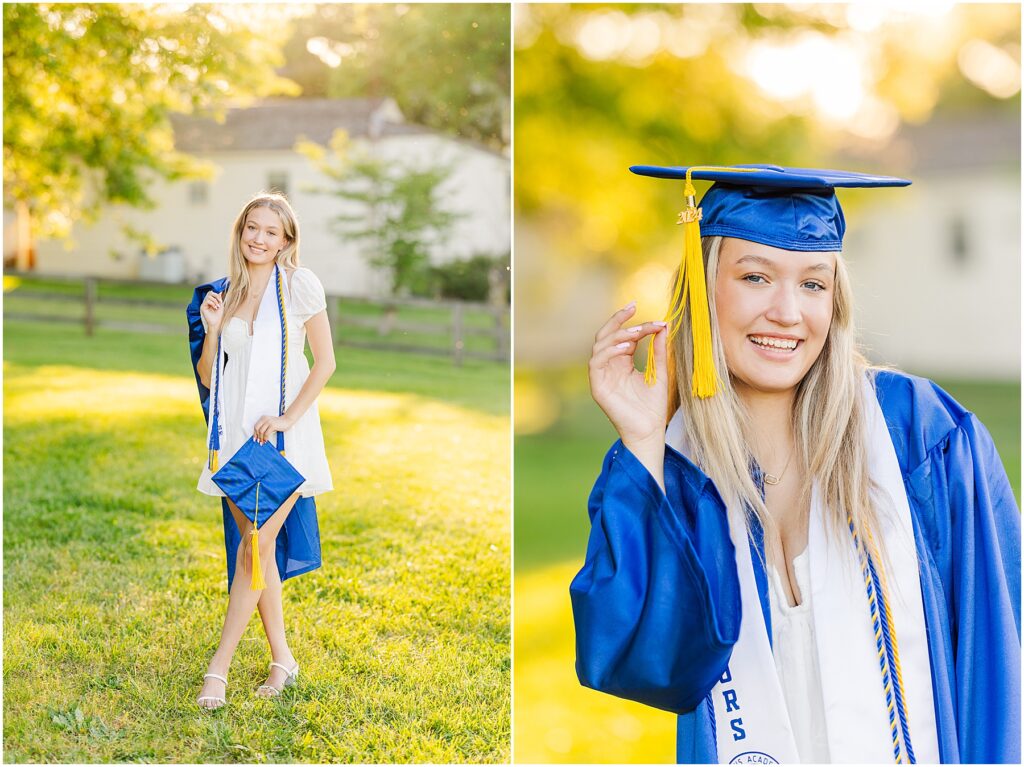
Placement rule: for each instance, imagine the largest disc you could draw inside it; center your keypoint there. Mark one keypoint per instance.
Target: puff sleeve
(307, 295)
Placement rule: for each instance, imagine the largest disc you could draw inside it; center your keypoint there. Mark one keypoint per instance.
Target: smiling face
(774, 309)
(262, 236)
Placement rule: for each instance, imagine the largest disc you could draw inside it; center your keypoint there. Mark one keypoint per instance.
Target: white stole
(751, 721)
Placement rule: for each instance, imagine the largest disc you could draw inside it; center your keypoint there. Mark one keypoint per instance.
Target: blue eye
(816, 287)
(756, 279)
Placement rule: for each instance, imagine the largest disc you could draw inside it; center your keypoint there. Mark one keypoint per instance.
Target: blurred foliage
(602, 87)
(88, 90)
(397, 209)
(472, 279)
(446, 65)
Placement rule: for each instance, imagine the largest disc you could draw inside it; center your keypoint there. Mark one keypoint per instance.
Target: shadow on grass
(476, 384)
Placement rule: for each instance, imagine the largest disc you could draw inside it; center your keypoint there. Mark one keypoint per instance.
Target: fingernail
(623, 345)
(634, 329)
(630, 305)
(660, 324)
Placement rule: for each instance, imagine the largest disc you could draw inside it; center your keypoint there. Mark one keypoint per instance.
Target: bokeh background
(930, 91)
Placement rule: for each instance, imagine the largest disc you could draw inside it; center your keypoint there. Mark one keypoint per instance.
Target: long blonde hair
(829, 418)
(288, 258)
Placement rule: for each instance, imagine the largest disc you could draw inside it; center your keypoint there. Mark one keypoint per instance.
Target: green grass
(477, 384)
(114, 565)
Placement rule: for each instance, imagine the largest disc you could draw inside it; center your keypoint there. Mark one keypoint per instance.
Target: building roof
(947, 143)
(275, 124)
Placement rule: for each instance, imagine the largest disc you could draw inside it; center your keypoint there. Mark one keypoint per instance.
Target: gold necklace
(256, 296)
(771, 479)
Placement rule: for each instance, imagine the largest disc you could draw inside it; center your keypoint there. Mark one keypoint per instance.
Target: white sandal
(218, 699)
(291, 678)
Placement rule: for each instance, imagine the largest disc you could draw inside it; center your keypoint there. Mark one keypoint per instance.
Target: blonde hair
(829, 418)
(288, 258)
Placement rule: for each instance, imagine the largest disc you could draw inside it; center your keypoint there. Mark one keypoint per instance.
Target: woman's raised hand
(212, 310)
(637, 411)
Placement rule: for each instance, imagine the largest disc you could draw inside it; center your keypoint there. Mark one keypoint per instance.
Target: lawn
(114, 565)
(557, 720)
(421, 326)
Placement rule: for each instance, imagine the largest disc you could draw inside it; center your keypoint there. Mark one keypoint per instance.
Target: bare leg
(271, 604)
(272, 615)
(242, 599)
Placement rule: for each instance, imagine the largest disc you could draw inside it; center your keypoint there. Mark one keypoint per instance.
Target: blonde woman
(808, 560)
(236, 326)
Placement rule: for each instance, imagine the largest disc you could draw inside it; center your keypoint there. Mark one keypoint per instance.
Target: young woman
(243, 316)
(817, 561)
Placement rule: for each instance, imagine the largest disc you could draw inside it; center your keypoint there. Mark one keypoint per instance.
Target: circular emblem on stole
(753, 757)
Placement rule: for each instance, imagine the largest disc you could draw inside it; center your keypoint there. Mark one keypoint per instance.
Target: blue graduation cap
(254, 467)
(788, 208)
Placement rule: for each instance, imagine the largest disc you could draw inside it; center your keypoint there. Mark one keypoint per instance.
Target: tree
(398, 212)
(88, 90)
(446, 65)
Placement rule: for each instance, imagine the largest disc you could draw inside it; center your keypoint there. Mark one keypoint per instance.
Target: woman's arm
(205, 364)
(318, 331)
(212, 311)
(657, 603)
(636, 410)
(984, 583)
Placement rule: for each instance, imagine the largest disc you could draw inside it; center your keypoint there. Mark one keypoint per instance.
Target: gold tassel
(213, 460)
(257, 572)
(690, 287)
(705, 379)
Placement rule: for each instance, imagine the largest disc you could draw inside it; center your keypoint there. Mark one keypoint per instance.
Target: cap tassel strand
(258, 582)
(705, 381)
(691, 287)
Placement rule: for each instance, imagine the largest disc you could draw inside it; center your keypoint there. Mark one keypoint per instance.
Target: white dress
(304, 442)
(796, 660)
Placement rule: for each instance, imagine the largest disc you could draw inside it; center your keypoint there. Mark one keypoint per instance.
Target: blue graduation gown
(298, 543)
(657, 603)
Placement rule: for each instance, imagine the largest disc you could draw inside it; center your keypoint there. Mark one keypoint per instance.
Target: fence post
(332, 318)
(457, 342)
(90, 305)
(501, 334)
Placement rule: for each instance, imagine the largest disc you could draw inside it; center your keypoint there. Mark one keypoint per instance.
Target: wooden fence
(457, 329)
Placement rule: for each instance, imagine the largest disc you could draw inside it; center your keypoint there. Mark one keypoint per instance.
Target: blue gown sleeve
(971, 526)
(657, 603)
(197, 335)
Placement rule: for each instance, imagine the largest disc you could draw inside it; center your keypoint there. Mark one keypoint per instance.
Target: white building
(945, 299)
(253, 150)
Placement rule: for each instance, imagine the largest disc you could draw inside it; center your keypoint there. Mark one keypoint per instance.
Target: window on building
(198, 192)
(277, 181)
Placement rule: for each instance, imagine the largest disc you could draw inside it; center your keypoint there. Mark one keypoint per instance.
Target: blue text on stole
(732, 704)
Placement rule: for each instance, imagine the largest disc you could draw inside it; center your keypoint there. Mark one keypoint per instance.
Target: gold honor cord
(691, 284)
